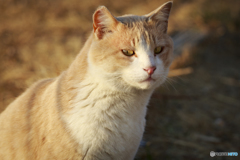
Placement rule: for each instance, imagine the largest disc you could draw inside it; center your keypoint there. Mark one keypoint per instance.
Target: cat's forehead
(134, 23)
(139, 28)
(131, 20)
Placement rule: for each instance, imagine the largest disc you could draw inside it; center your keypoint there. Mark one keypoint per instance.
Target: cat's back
(15, 122)
(26, 126)
(25, 102)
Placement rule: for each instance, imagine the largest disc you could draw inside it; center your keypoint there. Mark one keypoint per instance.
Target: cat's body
(96, 109)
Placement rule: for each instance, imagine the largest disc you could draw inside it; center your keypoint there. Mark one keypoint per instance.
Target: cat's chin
(150, 84)
(147, 84)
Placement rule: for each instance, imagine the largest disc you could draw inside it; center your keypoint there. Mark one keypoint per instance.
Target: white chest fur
(107, 124)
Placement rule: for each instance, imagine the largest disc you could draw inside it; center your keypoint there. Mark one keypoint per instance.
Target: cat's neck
(74, 75)
(78, 69)
(95, 90)
(100, 116)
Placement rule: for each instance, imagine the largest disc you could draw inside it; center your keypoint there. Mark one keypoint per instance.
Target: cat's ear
(103, 22)
(161, 15)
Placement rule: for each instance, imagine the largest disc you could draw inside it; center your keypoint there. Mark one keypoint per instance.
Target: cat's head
(131, 51)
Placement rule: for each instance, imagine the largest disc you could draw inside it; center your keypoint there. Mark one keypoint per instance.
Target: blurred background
(196, 111)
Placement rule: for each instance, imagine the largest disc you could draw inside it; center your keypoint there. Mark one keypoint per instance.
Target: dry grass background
(195, 112)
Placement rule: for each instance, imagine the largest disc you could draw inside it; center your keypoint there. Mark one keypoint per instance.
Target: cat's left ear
(103, 22)
(161, 15)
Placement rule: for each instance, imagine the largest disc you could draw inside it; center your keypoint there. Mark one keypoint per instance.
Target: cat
(95, 110)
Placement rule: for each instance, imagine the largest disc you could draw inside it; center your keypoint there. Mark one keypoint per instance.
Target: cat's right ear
(103, 22)
(161, 15)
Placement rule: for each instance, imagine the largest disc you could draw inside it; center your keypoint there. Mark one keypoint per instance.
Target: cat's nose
(150, 70)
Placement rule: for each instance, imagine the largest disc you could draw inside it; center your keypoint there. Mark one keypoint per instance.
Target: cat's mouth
(149, 79)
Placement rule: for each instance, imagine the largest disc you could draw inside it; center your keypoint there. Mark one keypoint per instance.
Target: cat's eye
(158, 50)
(128, 52)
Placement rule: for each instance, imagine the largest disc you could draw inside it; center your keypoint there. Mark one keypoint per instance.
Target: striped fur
(96, 109)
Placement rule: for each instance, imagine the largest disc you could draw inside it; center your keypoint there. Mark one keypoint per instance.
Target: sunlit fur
(96, 109)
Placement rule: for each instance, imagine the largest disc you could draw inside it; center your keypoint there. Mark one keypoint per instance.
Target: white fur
(106, 122)
(135, 74)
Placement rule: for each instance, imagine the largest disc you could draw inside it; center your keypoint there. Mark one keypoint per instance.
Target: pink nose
(150, 70)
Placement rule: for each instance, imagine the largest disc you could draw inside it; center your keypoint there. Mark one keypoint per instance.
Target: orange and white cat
(96, 109)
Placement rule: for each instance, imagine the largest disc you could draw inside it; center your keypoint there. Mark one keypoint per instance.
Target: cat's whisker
(169, 81)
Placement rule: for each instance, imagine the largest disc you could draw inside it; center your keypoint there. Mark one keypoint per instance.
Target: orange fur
(96, 109)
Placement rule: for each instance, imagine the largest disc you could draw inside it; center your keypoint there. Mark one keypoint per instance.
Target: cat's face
(132, 51)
